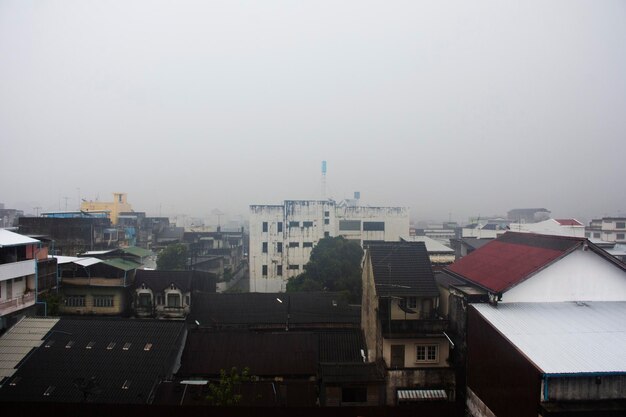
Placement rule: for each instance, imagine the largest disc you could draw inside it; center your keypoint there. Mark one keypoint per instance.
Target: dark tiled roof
(351, 372)
(251, 309)
(341, 345)
(402, 269)
(264, 354)
(183, 280)
(60, 366)
(475, 243)
(512, 258)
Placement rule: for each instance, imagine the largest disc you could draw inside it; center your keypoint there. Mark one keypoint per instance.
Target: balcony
(17, 303)
(405, 328)
(17, 269)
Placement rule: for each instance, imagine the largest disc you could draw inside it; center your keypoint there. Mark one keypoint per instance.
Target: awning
(422, 395)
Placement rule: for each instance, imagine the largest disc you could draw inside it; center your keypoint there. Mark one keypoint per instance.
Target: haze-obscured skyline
(447, 107)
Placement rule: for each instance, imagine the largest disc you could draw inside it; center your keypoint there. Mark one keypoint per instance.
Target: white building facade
(283, 236)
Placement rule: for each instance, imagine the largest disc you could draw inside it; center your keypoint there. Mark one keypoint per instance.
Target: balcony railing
(418, 327)
(17, 269)
(17, 303)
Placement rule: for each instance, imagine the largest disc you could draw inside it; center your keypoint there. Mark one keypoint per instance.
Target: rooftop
(253, 309)
(402, 268)
(512, 258)
(97, 360)
(8, 238)
(564, 338)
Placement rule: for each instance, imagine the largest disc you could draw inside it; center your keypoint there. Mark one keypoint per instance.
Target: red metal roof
(512, 258)
(569, 222)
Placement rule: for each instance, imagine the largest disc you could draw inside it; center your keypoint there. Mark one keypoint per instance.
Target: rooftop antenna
(323, 180)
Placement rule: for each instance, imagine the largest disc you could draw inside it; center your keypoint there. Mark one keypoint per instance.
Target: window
(111, 346)
(374, 226)
(620, 225)
(326, 221)
(173, 300)
(294, 244)
(350, 225)
(294, 267)
(159, 299)
(411, 302)
(279, 247)
(147, 347)
(587, 234)
(307, 224)
(307, 244)
(620, 236)
(596, 234)
(75, 301)
(326, 234)
(126, 346)
(294, 224)
(326, 213)
(397, 356)
(103, 301)
(264, 227)
(353, 394)
(427, 353)
(145, 300)
(279, 270)
(279, 225)
(264, 270)
(264, 250)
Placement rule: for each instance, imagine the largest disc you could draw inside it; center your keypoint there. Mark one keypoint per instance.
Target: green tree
(335, 265)
(173, 257)
(226, 391)
(53, 301)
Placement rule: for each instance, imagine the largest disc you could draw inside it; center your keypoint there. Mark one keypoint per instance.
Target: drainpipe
(45, 305)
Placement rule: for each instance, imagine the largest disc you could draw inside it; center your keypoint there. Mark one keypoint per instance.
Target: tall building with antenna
(283, 236)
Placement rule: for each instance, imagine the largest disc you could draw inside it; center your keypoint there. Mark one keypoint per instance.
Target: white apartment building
(282, 236)
(608, 229)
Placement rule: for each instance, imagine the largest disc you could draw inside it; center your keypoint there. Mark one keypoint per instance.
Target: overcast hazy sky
(468, 107)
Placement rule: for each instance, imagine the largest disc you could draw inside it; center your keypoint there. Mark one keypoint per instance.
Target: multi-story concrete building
(112, 208)
(282, 236)
(18, 274)
(608, 229)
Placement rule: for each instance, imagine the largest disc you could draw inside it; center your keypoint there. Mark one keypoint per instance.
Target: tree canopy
(173, 257)
(335, 265)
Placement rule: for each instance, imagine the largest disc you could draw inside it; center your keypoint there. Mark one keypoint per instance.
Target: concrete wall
(580, 276)
(119, 300)
(410, 351)
(315, 219)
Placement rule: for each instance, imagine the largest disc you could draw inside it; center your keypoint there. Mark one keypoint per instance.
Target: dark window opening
(374, 226)
(307, 224)
(264, 270)
(264, 247)
(279, 226)
(354, 394)
(265, 226)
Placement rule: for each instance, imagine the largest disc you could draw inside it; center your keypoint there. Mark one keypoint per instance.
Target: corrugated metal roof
(564, 338)
(19, 340)
(137, 251)
(431, 244)
(8, 238)
(64, 259)
(422, 394)
(87, 261)
(512, 258)
(122, 264)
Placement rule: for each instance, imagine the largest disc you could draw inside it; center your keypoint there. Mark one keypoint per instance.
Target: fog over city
(452, 108)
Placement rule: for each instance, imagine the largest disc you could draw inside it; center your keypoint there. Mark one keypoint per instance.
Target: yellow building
(113, 208)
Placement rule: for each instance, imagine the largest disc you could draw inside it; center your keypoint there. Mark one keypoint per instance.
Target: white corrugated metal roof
(421, 394)
(19, 340)
(64, 259)
(8, 238)
(98, 252)
(564, 338)
(87, 261)
(431, 244)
